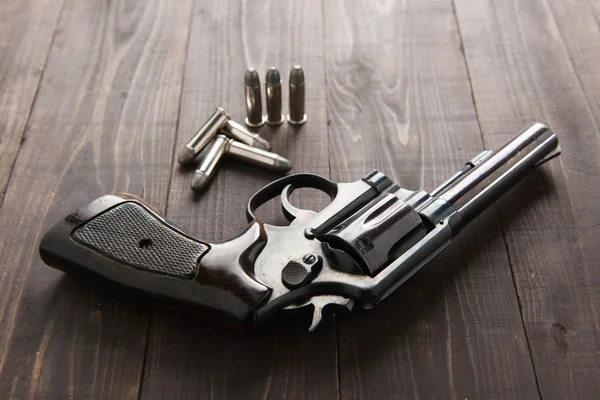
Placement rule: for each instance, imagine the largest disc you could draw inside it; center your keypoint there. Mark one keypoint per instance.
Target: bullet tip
(199, 181)
(296, 75)
(261, 143)
(186, 156)
(282, 164)
(251, 78)
(273, 76)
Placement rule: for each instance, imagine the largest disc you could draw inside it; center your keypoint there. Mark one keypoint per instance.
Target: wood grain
(105, 112)
(399, 100)
(97, 97)
(579, 30)
(194, 358)
(521, 71)
(26, 29)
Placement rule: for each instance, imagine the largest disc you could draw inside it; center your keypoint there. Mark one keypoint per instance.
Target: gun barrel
(503, 183)
(499, 158)
(546, 148)
(469, 165)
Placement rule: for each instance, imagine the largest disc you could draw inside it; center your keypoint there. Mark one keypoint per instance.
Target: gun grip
(120, 242)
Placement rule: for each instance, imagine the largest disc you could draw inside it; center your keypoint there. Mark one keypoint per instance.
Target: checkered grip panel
(132, 235)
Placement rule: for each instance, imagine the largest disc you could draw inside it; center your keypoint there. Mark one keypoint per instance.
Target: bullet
(238, 132)
(254, 117)
(206, 169)
(261, 158)
(205, 134)
(273, 90)
(296, 96)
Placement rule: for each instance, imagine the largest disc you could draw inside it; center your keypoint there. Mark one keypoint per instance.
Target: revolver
(370, 239)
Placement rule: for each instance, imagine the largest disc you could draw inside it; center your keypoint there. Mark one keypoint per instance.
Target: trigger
(319, 303)
(293, 214)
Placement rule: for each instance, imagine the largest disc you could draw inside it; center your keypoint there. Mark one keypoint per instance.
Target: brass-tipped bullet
(254, 117)
(297, 114)
(273, 90)
(205, 134)
(238, 132)
(206, 170)
(261, 158)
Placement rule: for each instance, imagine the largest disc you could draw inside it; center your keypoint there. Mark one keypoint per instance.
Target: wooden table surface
(98, 96)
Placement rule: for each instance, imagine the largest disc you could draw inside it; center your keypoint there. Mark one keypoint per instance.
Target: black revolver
(371, 238)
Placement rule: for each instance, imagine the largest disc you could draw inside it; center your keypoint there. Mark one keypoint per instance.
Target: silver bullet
(273, 90)
(205, 134)
(296, 96)
(261, 158)
(238, 132)
(206, 169)
(254, 115)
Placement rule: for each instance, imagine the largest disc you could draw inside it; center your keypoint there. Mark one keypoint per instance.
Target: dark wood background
(98, 96)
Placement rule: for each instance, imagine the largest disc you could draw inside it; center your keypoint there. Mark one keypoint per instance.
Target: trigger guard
(296, 181)
(290, 211)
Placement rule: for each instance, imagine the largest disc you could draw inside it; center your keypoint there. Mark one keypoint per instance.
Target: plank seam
(520, 303)
(33, 102)
(466, 64)
(324, 63)
(497, 212)
(173, 150)
(146, 346)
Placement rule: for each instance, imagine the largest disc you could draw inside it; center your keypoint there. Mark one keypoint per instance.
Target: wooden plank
(399, 100)
(580, 32)
(26, 29)
(105, 113)
(195, 358)
(521, 71)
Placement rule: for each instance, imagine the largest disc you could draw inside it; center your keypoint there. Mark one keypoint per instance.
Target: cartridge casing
(297, 115)
(205, 134)
(254, 117)
(206, 170)
(261, 158)
(273, 91)
(239, 132)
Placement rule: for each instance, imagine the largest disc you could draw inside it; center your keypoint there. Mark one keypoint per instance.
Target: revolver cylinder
(370, 234)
